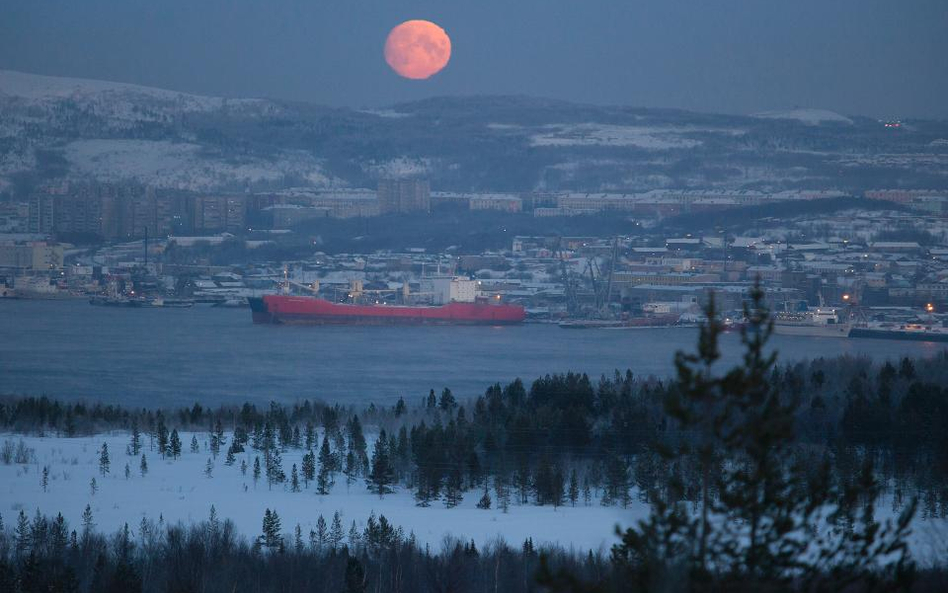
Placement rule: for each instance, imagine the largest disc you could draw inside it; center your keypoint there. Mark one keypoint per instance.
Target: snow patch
(182, 165)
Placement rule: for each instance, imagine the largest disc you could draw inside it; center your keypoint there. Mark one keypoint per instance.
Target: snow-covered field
(180, 491)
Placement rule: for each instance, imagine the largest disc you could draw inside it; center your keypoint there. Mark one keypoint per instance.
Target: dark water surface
(160, 357)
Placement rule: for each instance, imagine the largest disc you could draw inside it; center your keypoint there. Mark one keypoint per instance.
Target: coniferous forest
(763, 477)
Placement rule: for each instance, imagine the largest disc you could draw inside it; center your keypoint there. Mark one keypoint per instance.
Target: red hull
(315, 311)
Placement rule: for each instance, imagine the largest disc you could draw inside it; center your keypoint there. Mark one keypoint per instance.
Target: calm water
(70, 349)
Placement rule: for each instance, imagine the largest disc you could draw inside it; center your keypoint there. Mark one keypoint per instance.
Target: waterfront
(159, 357)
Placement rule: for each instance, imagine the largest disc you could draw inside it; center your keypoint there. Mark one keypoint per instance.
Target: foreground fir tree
(769, 518)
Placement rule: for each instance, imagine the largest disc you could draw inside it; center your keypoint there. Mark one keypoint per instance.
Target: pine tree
(309, 468)
(195, 447)
(143, 466)
(485, 501)
(22, 539)
(335, 532)
(243, 467)
(256, 470)
(45, 481)
(230, 459)
(764, 528)
(209, 468)
(217, 438)
(382, 477)
(351, 469)
(93, 486)
(454, 487)
(355, 538)
(272, 530)
(327, 461)
(573, 487)
(321, 533)
(310, 435)
(294, 479)
(432, 401)
(135, 446)
(87, 524)
(298, 539)
(162, 435)
(104, 459)
(274, 466)
(447, 401)
(174, 445)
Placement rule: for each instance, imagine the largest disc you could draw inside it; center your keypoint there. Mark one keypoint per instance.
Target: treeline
(563, 440)
(46, 554)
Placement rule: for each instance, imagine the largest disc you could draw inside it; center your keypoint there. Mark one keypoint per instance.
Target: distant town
(883, 263)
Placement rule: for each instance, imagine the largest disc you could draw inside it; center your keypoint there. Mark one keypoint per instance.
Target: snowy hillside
(810, 117)
(184, 490)
(35, 87)
(181, 490)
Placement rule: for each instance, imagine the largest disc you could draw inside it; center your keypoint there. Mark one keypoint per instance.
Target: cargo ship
(916, 332)
(817, 322)
(455, 304)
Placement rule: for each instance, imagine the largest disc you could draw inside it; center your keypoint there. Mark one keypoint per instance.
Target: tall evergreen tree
(765, 530)
(135, 446)
(381, 479)
(174, 444)
(104, 462)
(309, 468)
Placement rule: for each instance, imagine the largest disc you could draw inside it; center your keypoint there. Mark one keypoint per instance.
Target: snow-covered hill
(37, 88)
(811, 117)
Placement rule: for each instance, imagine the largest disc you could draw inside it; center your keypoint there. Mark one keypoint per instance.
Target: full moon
(417, 49)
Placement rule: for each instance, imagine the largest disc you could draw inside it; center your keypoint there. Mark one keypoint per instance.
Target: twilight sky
(883, 58)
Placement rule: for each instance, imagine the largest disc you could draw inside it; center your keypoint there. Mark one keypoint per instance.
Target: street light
(930, 308)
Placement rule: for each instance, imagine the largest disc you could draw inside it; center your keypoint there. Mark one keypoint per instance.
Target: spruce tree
(174, 444)
(309, 467)
(135, 446)
(256, 470)
(573, 487)
(382, 477)
(447, 401)
(195, 447)
(770, 525)
(143, 466)
(104, 462)
(335, 532)
(274, 466)
(294, 479)
(45, 480)
(322, 533)
(327, 460)
(485, 501)
(162, 435)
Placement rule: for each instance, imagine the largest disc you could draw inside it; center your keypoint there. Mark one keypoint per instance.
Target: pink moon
(417, 49)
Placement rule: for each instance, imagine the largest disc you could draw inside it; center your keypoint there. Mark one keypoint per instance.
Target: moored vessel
(917, 332)
(455, 303)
